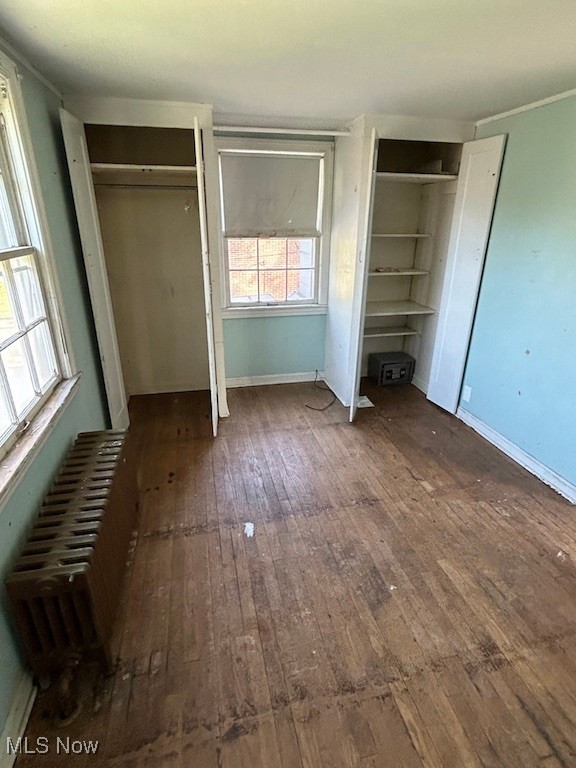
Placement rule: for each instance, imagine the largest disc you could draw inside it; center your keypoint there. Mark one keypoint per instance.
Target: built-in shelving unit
(396, 309)
(410, 179)
(389, 331)
(415, 178)
(397, 272)
(135, 175)
(400, 235)
(104, 168)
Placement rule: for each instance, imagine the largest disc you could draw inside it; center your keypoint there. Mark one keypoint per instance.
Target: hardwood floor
(408, 597)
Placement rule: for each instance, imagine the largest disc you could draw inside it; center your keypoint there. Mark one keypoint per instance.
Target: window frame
(28, 213)
(324, 150)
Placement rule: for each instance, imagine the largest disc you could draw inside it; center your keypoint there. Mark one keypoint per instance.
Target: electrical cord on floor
(322, 389)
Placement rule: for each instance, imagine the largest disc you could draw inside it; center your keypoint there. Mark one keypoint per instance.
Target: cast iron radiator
(65, 587)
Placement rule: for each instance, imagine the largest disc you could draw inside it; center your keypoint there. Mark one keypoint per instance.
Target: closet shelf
(139, 169)
(396, 308)
(400, 235)
(414, 178)
(396, 272)
(392, 330)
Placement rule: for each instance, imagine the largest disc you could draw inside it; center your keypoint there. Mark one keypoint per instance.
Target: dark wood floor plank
(407, 598)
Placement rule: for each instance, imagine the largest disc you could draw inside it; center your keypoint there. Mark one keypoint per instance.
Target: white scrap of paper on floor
(365, 402)
(249, 529)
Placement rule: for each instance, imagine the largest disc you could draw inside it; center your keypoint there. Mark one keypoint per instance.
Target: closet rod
(270, 131)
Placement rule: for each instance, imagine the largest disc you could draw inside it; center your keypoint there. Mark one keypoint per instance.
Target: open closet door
(473, 209)
(206, 275)
(94, 261)
(358, 310)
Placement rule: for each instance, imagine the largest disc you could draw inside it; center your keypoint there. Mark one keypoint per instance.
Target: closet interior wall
(146, 192)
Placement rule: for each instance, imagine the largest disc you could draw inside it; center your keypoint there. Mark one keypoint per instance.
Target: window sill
(19, 458)
(282, 310)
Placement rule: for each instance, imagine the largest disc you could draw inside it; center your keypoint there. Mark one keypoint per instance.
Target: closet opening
(145, 184)
(413, 198)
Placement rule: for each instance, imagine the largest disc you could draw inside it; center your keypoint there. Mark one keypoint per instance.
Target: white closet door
(473, 209)
(94, 261)
(359, 309)
(206, 274)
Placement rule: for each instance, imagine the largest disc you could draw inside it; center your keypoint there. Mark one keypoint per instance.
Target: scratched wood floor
(408, 598)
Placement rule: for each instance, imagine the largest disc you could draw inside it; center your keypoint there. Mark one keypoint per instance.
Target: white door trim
(95, 264)
(359, 307)
(206, 274)
(473, 210)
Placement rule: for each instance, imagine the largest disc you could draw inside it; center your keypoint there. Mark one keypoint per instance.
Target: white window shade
(268, 194)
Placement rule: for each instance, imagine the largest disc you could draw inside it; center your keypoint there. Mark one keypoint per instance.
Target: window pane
(28, 288)
(242, 253)
(8, 238)
(42, 353)
(300, 284)
(272, 253)
(273, 285)
(243, 287)
(301, 253)
(5, 420)
(18, 374)
(8, 324)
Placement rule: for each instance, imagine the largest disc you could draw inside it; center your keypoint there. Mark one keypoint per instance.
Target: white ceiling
(323, 59)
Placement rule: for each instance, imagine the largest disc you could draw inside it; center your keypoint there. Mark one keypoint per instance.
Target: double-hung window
(29, 360)
(276, 201)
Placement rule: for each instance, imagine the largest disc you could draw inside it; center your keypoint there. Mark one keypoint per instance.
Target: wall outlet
(466, 393)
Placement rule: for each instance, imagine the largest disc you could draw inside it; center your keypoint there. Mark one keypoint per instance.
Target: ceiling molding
(19, 58)
(527, 107)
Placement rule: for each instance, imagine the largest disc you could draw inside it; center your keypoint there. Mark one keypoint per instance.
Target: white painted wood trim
(362, 270)
(164, 388)
(282, 131)
(206, 274)
(420, 383)
(281, 310)
(15, 54)
(21, 455)
(141, 169)
(275, 378)
(17, 717)
(95, 264)
(468, 245)
(211, 179)
(110, 110)
(527, 107)
(37, 221)
(542, 472)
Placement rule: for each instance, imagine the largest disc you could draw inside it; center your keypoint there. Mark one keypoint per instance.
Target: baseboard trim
(544, 473)
(166, 388)
(274, 378)
(17, 717)
(420, 384)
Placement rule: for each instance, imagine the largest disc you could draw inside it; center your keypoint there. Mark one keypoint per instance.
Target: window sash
(41, 391)
(13, 199)
(314, 269)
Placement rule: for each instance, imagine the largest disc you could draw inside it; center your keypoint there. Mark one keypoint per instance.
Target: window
(29, 359)
(271, 270)
(275, 210)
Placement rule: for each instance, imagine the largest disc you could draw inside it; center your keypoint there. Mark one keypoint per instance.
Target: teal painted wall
(274, 345)
(521, 365)
(87, 409)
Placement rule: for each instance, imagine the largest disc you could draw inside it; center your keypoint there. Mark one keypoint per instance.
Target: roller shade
(267, 194)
